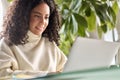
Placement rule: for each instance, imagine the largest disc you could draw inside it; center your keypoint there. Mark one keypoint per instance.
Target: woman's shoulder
(3, 42)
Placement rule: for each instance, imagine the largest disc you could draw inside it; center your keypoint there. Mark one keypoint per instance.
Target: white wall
(1, 15)
(3, 7)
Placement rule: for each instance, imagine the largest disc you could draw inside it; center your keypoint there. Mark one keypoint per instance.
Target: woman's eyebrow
(39, 13)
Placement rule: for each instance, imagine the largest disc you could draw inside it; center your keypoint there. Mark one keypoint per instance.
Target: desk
(112, 73)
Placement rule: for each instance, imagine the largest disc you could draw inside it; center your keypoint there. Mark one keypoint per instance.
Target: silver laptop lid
(91, 53)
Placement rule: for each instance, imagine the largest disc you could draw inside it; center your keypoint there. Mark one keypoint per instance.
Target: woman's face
(39, 18)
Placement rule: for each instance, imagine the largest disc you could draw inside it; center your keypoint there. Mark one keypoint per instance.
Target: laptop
(89, 53)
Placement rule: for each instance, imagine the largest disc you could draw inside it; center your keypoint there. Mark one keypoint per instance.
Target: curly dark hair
(16, 21)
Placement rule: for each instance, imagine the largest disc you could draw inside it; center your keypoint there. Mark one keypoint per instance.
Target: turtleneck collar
(33, 37)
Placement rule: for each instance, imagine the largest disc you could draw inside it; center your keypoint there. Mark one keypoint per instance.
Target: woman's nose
(42, 20)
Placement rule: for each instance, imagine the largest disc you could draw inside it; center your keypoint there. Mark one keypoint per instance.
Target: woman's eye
(37, 16)
(46, 17)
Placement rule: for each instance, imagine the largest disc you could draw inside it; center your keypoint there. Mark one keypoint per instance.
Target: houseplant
(79, 17)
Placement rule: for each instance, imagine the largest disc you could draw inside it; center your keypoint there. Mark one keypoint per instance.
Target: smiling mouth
(39, 28)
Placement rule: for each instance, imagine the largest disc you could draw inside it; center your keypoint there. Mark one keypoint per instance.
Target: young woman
(29, 42)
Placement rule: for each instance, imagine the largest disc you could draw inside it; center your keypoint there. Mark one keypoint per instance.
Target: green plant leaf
(112, 15)
(88, 12)
(102, 13)
(81, 20)
(74, 25)
(82, 24)
(115, 7)
(104, 28)
(83, 7)
(100, 32)
(75, 5)
(92, 21)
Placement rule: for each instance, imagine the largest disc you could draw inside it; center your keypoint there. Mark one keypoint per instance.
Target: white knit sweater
(38, 57)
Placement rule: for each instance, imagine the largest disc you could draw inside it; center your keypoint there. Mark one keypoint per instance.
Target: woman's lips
(40, 28)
